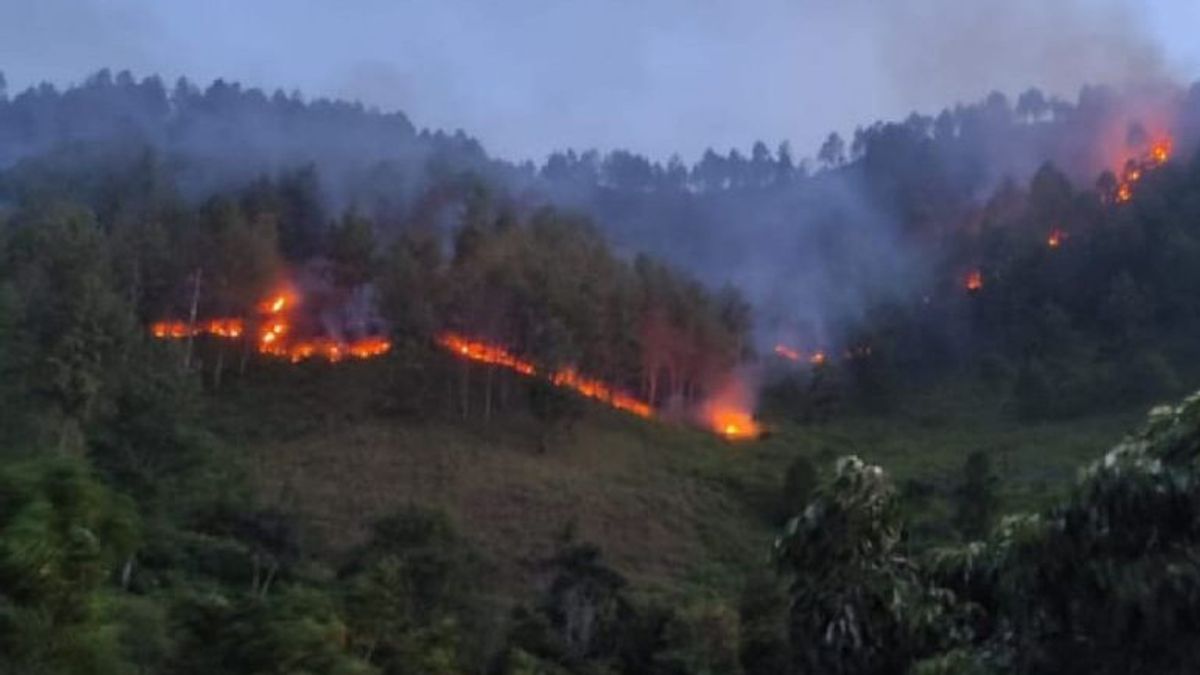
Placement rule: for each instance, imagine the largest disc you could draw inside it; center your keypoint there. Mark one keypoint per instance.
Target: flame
(1056, 238)
(483, 352)
(729, 411)
(595, 389)
(170, 329)
(1160, 152)
(974, 281)
(329, 349)
(225, 328)
(275, 304)
(783, 351)
(816, 358)
(1135, 168)
(734, 424)
(1124, 193)
(568, 378)
(273, 335)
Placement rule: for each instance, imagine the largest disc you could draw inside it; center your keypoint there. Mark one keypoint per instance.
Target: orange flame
(483, 352)
(272, 337)
(734, 424)
(170, 329)
(1160, 152)
(785, 352)
(1135, 168)
(568, 378)
(816, 358)
(1056, 238)
(974, 281)
(729, 411)
(595, 389)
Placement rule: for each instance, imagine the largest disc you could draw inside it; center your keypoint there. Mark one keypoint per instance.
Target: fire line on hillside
(732, 422)
(275, 336)
(1136, 168)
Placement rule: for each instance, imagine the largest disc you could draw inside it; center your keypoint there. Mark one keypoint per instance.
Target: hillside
(350, 398)
(680, 512)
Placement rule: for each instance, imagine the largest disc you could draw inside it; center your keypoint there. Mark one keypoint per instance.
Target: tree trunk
(219, 367)
(187, 354)
(465, 393)
(487, 395)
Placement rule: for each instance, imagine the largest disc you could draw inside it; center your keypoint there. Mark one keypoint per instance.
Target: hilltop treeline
(789, 232)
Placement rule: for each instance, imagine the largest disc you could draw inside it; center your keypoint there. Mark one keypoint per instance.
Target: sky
(659, 77)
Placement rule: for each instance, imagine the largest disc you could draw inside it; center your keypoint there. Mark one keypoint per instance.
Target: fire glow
(1056, 238)
(727, 411)
(274, 336)
(567, 378)
(974, 281)
(734, 425)
(814, 358)
(1135, 169)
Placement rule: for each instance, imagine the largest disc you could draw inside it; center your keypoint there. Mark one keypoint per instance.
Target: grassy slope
(676, 510)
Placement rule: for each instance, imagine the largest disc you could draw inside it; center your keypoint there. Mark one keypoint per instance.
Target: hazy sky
(657, 76)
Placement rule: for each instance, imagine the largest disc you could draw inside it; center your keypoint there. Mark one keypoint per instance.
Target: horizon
(689, 80)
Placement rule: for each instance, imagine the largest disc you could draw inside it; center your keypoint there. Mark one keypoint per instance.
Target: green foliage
(1105, 581)
(976, 498)
(296, 631)
(798, 485)
(582, 616)
(858, 604)
(762, 612)
(62, 536)
(57, 261)
(352, 250)
(410, 595)
(702, 640)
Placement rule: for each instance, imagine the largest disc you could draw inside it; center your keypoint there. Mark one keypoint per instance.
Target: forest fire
(226, 328)
(567, 378)
(273, 337)
(815, 358)
(1135, 169)
(785, 352)
(597, 390)
(1056, 238)
(733, 424)
(974, 281)
(727, 412)
(483, 352)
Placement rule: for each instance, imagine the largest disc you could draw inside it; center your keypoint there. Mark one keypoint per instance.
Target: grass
(676, 510)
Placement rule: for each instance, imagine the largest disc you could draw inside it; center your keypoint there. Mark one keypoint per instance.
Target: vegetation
(180, 506)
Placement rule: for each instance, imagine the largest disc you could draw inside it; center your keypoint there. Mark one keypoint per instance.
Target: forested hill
(291, 387)
(789, 232)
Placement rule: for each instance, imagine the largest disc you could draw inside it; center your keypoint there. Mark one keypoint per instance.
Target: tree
(1104, 581)
(762, 613)
(63, 536)
(976, 497)
(1032, 104)
(785, 166)
(858, 604)
(352, 251)
(833, 151)
(298, 630)
(583, 615)
(410, 594)
(799, 483)
(77, 327)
